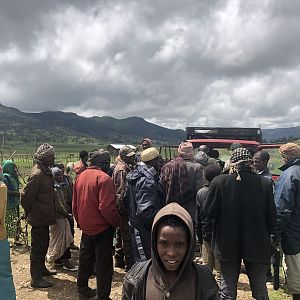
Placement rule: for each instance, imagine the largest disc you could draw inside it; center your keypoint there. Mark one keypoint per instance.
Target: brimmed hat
(290, 151)
(126, 151)
(149, 154)
(99, 155)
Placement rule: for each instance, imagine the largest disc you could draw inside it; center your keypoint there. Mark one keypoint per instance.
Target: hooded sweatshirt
(146, 280)
(7, 290)
(12, 182)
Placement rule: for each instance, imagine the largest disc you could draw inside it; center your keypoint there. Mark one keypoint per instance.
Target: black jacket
(134, 287)
(244, 213)
(149, 280)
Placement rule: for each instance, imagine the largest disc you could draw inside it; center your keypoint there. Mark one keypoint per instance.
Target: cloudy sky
(172, 62)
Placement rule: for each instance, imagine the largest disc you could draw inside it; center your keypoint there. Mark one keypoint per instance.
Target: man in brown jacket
(182, 178)
(39, 206)
(123, 245)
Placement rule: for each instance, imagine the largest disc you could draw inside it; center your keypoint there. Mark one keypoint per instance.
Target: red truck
(221, 138)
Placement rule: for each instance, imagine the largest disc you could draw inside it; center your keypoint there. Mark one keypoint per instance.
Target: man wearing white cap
(144, 198)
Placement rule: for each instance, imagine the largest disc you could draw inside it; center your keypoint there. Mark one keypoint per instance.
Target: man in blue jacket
(143, 199)
(287, 199)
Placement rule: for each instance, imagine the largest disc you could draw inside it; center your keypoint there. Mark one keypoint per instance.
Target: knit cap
(149, 154)
(44, 151)
(290, 151)
(186, 150)
(99, 155)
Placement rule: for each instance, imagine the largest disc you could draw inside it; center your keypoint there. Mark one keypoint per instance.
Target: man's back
(94, 201)
(181, 180)
(144, 195)
(38, 198)
(244, 214)
(195, 174)
(119, 179)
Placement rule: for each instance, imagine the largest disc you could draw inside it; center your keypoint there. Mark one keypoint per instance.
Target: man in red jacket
(94, 208)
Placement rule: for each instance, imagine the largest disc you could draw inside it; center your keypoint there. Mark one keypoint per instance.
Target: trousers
(96, 251)
(256, 273)
(123, 243)
(39, 247)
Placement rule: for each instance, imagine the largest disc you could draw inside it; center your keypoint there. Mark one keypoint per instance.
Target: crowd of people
(150, 215)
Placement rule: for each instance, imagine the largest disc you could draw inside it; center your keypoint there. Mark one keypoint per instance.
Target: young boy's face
(172, 245)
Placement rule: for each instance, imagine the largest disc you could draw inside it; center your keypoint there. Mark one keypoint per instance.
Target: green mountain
(61, 127)
(281, 134)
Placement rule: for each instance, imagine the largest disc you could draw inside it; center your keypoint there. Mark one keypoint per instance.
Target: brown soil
(65, 281)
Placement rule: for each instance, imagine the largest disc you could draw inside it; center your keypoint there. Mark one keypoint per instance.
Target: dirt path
(65, 282)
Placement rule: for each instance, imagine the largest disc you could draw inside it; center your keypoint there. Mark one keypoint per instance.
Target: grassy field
(22, 148)
(64, 153)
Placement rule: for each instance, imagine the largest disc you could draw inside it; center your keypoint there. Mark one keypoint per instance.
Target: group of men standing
(239, 204)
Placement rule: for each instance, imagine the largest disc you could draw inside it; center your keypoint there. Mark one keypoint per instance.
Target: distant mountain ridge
(68, 127)
(57, 126)
(281, 134)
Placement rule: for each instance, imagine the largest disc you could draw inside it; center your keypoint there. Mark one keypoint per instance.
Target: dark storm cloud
(223, 63)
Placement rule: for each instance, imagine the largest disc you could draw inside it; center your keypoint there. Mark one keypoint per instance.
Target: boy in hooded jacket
(171, 272)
